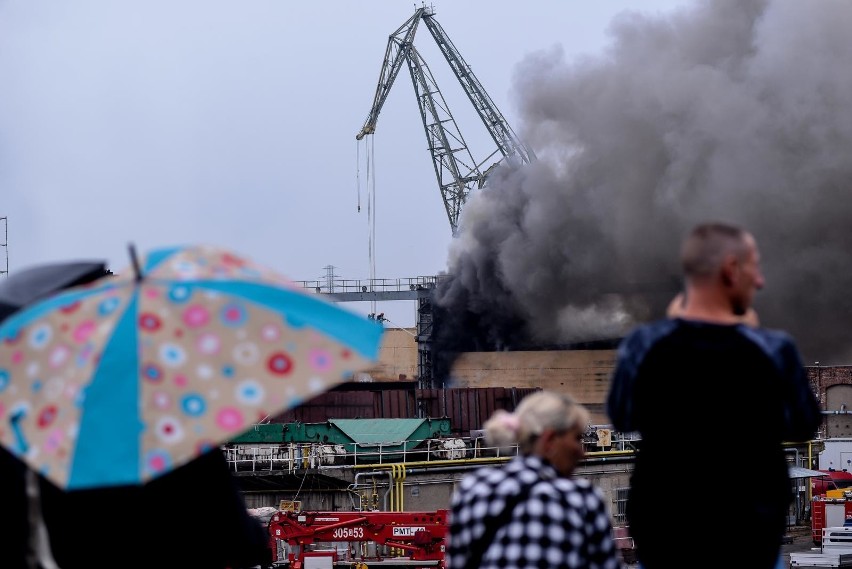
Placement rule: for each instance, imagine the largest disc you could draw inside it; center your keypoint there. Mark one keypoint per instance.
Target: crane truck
(415, 540)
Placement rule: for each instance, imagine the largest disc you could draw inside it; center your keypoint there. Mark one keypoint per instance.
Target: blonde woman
(531, 512)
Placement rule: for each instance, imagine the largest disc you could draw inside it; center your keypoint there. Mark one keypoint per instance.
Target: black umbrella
(34, 283)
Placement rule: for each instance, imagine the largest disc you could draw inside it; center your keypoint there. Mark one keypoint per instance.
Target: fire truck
(415, 540)
(829, 510)
(831, 505)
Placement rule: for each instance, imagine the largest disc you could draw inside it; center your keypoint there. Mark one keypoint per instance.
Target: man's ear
(730, 268)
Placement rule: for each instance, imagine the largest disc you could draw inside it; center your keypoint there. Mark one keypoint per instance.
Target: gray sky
(233, 123)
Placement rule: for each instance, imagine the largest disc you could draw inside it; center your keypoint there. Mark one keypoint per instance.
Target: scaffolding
(418, 289)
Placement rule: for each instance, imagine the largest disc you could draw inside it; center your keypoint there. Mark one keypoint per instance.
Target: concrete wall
(428, 491)
(584, 374)
(397, 356)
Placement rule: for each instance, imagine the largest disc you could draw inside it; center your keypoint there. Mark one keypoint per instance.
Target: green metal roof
(375, 440)
(379, 431)
(266, 433)
(370, 439)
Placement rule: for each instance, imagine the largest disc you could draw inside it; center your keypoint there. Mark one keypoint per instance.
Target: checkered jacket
(563, 522)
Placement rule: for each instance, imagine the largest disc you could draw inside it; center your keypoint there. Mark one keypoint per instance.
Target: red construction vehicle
(831, 505)
(830, 510)
(833, 480)
(414, 540)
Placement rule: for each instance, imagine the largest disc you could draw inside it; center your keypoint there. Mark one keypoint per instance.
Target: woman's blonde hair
(535, 413)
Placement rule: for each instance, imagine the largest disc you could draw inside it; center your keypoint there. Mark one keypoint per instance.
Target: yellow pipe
(402, 488)
(395, 500)
(399, 468)
(393, 488)
(396, 487)
(486, 460)
(395, 491)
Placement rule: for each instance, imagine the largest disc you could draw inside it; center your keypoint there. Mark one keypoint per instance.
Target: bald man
(709, 392)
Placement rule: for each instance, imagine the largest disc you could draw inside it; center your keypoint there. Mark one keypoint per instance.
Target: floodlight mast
(455, 168)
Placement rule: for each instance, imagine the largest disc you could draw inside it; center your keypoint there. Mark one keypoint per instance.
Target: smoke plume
(736, 110)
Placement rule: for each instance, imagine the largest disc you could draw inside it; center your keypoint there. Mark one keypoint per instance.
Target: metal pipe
(798, 497)
(405, 470)
(389, 493)
(401, 488)
(596, 456)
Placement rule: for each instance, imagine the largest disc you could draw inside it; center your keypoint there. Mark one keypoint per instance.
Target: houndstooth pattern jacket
(563, 522)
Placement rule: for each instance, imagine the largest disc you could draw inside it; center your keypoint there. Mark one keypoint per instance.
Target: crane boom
(399, 44)
(458, 173)
(502, 134)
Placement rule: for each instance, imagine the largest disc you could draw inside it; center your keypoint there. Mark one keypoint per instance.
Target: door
(835, 514)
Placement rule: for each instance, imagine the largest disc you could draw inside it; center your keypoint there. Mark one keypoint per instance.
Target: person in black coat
(194, 516)
(743, 383)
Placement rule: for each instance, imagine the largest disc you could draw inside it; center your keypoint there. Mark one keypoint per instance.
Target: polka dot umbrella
(130, 376)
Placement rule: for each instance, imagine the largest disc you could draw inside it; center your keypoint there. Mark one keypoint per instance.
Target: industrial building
(423, 477)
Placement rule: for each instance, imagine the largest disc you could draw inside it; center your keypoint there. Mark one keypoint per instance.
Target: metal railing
(292, 457)
(372, 285)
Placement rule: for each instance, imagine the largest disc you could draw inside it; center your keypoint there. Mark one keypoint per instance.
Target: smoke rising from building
(737, 110)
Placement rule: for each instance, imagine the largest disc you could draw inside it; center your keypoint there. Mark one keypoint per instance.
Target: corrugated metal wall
(467, 408)
(332, 405)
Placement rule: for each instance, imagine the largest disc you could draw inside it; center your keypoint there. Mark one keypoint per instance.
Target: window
(619, 506)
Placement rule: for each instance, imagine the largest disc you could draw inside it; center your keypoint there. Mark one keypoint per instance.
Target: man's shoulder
(642, 337)
(778, 344)
(772, 335)
(654, 328)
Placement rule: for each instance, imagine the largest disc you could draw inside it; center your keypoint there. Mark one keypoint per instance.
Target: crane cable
(358, 174)
(371, 177)
(371, 206)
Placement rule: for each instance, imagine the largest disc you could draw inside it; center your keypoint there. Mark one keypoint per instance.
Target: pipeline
(396, 473)
(591, 457)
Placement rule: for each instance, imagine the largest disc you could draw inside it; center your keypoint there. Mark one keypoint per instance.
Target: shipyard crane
(457, 171)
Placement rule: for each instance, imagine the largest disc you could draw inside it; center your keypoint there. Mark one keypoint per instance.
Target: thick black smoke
(737, 110)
